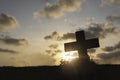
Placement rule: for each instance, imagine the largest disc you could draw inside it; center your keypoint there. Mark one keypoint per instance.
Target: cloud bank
(110, 58)
(112, 48)
(111, 54)
(93, 30)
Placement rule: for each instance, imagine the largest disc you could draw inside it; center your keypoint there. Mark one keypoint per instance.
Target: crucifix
(81, 44)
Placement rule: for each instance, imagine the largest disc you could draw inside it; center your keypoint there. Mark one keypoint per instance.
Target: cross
(81, 44)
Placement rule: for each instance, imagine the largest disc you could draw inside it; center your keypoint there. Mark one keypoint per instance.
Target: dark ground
(89, 71)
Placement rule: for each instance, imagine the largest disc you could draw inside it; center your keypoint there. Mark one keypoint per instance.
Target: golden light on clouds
(69, 56)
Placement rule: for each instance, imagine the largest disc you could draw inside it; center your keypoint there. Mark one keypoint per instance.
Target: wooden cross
(81, 44)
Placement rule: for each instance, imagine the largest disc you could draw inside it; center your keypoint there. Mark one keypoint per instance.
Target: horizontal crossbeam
(71, 46)
(92, 43)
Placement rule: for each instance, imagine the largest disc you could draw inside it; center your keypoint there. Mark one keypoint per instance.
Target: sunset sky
(33, 32)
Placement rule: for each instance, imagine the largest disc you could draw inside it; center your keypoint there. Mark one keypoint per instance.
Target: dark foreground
(67, 72)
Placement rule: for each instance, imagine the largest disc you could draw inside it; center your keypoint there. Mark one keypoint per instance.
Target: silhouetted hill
(66, 72)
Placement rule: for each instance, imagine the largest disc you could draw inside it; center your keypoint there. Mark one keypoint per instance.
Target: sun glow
(69, 56)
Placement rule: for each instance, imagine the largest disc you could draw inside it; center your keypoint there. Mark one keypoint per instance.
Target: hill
(67, 72)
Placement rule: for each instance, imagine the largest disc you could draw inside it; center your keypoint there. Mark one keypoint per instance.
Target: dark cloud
(48, 51)
(53, 46)
(53, 50)
(111, 54)
(91, 50)
(7, 51)
(110, 2)
(68, 36)
(109, 49)
(93, 30)
(112, 48)
(114, 18)
(111, 57)
(115, 1)
(13, 41)
(58, 9)
(100, 30)
(7, 22)
(58, 51)
(54, 36)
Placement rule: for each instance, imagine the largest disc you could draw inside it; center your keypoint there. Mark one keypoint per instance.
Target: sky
(33, 32)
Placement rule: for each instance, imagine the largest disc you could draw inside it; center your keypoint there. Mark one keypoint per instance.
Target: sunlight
(69, 56)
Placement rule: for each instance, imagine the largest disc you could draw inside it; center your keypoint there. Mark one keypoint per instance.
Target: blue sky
(24, 24)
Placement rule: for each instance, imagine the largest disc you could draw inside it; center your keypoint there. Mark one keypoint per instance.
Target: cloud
(110, 58)
(108, 49)
(48, 51)
(54, 36)
(109, 2)
(68, 36)
(112, 48)
(7, 51)
(100, 30)
(58, 51)
(115, 1)
(70, 5)
(113, 18)
(53, 50)
(13, 41)
(93, 30)
(111, 54)
(91, 50)
(53, 46)
(58, 10)
(7, 22)
(50, 11)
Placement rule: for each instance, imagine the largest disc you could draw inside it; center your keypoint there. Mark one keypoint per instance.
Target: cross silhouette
(81, 44)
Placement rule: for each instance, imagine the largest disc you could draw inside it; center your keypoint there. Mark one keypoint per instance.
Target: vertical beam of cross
(82, 50)
(81, 44)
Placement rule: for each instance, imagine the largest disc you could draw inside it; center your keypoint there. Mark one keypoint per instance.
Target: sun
(69, 56)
